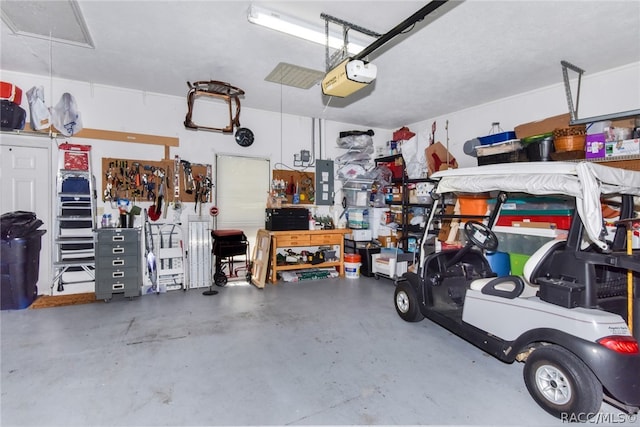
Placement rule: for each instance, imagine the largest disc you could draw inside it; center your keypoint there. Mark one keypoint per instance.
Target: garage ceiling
(476, 52)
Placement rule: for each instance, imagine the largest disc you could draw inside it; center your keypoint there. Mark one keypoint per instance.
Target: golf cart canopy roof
(585, 181)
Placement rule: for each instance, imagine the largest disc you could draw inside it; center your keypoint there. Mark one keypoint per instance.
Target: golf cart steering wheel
(481, 235)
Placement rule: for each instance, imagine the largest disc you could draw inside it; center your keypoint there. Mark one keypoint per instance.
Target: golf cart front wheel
(407, 303)
(562, 384)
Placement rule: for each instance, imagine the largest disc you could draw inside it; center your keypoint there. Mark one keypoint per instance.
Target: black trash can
(19, 259)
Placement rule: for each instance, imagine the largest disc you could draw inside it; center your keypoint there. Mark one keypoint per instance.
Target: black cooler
(284, 219)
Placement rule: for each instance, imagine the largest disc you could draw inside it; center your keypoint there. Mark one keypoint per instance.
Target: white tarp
(585, 181)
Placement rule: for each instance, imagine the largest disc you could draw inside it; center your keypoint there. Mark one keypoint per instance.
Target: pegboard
(195, 181)
(140, 180)
(295, 181)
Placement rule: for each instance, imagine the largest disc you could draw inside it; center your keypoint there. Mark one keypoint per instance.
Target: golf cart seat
(516, 286)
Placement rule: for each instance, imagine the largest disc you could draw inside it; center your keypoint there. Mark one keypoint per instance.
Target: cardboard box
(390, 241)
(542, 126)
(624, 123)
(594, 146)
(438, 158)
(528, 224)
(626, 147)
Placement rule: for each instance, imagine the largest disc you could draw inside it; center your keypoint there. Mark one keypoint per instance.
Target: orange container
(569, 143)
(472, 205)
(352, 258)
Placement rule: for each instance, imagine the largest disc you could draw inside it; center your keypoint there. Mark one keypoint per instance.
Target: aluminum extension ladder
(199, 253)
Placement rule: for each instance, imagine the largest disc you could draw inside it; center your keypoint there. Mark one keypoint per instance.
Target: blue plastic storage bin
(497, 137)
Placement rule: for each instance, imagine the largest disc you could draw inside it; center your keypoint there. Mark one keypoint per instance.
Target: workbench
(308, 238)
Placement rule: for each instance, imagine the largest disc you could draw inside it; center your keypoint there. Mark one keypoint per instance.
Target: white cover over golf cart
(585, 181)
(525, 326)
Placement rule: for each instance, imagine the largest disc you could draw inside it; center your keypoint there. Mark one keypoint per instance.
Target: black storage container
(539, 147)
(20, 259)
(365, 260)
(562, 293)
(284, 219)
(365, 250)
(511, 157)
(19, 270)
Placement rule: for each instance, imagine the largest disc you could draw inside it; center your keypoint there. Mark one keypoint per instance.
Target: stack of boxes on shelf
(613, 139)
(554, 138)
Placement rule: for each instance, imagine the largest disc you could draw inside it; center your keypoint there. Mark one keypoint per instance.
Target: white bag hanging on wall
(413, 158)
(66, 117)
(39, 117)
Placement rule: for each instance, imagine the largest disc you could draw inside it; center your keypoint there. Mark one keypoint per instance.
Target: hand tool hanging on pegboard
(197, 192)
(188, 177)
(176, 183)
(166, 198)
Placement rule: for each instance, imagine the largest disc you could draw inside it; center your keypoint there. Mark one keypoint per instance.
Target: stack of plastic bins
(538, 210)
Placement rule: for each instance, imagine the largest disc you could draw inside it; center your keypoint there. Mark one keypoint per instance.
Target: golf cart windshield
(585, 181)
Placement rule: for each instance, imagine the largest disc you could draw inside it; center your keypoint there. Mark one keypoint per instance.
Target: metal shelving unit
(573, 108)
(406, 205)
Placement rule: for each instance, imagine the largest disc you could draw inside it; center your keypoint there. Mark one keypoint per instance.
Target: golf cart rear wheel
(562, 384)
(407, 303)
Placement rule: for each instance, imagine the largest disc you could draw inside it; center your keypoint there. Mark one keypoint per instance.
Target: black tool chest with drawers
(118, 262)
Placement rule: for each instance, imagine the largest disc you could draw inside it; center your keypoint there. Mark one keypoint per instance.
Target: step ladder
(74, 219)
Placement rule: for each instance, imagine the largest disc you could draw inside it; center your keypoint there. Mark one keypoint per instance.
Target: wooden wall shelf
(108, 135)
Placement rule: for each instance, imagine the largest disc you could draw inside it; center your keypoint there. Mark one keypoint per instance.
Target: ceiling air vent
(58, 21)
(294, 75)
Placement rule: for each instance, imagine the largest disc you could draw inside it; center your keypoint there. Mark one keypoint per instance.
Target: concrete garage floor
(329, 352)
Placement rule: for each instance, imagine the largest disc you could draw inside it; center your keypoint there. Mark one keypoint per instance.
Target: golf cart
(572, 316)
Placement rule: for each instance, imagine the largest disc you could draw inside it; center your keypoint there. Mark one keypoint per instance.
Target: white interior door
(25, 185)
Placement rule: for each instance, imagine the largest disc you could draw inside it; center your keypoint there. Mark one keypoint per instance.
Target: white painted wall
(279, 136)
(611, 91)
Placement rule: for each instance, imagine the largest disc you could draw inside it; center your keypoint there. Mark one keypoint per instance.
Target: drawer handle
(117, 262)
(117, 250)
(118, 238)
(117, 286)
(117, 274)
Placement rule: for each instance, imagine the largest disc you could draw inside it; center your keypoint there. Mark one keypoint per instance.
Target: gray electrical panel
(324, 182)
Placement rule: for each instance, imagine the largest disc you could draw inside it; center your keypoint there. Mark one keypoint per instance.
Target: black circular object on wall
(244, 137)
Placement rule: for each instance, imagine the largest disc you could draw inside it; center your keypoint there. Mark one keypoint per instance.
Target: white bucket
(352, 270)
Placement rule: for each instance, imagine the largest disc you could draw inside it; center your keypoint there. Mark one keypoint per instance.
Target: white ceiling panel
(478, 51)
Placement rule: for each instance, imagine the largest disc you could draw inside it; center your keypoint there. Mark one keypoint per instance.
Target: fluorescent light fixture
(298, 28)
